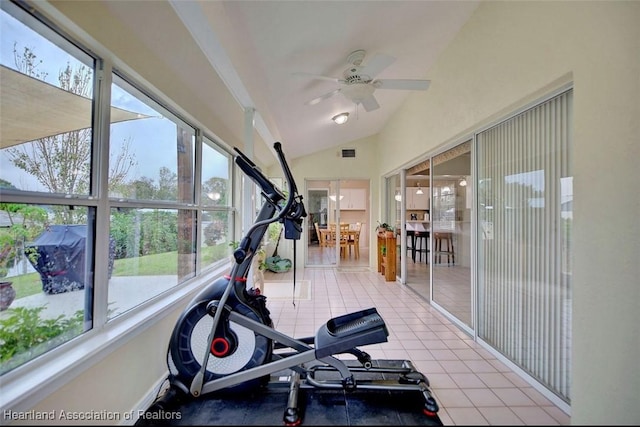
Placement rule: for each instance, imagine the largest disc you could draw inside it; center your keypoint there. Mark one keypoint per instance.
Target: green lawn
(158, 264)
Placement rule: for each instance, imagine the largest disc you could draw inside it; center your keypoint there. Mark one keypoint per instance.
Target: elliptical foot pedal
(349, 331)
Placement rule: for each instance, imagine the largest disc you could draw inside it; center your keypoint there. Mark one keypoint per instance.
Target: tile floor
(471, 386)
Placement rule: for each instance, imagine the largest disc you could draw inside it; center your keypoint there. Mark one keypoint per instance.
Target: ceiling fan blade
(370, 103)
(316, 76)
(317, 100)
(377, 64)
(402, 84)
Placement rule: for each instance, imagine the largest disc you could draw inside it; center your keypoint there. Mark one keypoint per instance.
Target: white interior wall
(507, 55)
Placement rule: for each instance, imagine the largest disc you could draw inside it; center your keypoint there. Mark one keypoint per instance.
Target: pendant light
(419, 191)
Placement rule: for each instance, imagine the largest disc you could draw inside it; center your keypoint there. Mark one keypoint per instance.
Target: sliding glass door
(525, 199)
(450, 234)
(337, 223)
(499, 238)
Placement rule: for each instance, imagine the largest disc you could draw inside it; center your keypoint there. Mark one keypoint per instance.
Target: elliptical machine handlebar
(293, 212)
(290, 214)
(252, 171)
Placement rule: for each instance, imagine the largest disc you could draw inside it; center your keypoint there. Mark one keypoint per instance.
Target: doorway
(337, 227)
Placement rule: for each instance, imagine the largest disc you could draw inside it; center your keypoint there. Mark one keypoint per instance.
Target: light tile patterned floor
(471, 386)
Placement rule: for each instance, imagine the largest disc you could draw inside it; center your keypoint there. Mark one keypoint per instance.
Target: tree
(6, 184)
(216, 187)
(167, 185)
(214, 192)
(25, 223)
(62, 163)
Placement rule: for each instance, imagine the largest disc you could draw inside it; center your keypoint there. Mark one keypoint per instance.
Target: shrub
(23, 333)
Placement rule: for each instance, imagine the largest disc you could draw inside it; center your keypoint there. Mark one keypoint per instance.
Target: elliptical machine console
(224, 339)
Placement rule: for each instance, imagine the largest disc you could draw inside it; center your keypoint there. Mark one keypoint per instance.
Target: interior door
(333, 202)
(317, 222)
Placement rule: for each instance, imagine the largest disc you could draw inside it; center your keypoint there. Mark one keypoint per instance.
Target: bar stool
(421, 245)
(438, 251)
(411, 244)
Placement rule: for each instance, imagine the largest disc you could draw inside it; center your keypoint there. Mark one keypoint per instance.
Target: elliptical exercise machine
(225, 338)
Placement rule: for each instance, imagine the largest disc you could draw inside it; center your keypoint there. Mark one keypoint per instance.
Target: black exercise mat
(266, 406)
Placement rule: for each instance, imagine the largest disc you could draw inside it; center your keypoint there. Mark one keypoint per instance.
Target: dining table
(348, 237)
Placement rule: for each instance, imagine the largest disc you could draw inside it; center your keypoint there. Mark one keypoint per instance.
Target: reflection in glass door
(450, 237)
(416, 201)
(320, 251)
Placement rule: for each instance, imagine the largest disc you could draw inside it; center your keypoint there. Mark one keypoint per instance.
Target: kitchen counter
(417, 225)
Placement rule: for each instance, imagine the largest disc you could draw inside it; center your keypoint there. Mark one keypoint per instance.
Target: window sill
(27, 385)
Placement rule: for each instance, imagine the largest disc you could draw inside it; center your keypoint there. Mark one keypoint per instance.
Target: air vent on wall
(348, 152)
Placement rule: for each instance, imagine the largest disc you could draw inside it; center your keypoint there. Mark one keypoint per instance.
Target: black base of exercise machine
(224, 342)
(271, 403)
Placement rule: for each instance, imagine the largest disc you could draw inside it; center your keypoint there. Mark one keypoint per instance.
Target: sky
(152, 140)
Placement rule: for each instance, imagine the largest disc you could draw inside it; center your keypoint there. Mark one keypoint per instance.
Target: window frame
(24, 386)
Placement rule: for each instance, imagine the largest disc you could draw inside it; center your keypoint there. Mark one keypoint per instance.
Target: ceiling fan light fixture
(340, 118)
(358, 91)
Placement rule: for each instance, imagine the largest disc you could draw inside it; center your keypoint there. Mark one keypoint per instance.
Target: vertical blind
(524, 240)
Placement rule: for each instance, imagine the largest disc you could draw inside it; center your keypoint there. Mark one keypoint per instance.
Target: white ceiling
(256, 46)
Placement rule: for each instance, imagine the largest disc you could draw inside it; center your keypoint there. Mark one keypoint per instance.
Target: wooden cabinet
(387, 256)
(355, 199)
(415, 201)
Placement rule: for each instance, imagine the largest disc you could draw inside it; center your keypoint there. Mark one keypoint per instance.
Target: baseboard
(146, 401)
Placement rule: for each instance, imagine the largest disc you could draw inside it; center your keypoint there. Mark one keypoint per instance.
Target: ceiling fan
(358, 83)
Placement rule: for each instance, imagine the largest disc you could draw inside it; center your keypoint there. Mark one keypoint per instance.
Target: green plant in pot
(384, 228)
(275, 262)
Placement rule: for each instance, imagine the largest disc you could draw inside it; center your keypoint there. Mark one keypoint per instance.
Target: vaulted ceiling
(258, 46)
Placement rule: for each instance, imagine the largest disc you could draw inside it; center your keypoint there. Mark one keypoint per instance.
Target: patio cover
(24, 117)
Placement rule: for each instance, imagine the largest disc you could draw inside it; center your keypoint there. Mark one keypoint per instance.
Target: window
(151, 167)
(216, 199)
(46, 242)
(47, 259)
(152, 251)
(151, 151)
(47, 90)
(83, 239)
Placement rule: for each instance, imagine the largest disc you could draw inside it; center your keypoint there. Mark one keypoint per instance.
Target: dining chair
(321, 239)
(354, 239)
(344, 240)
(330, 234)
(343, 236)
